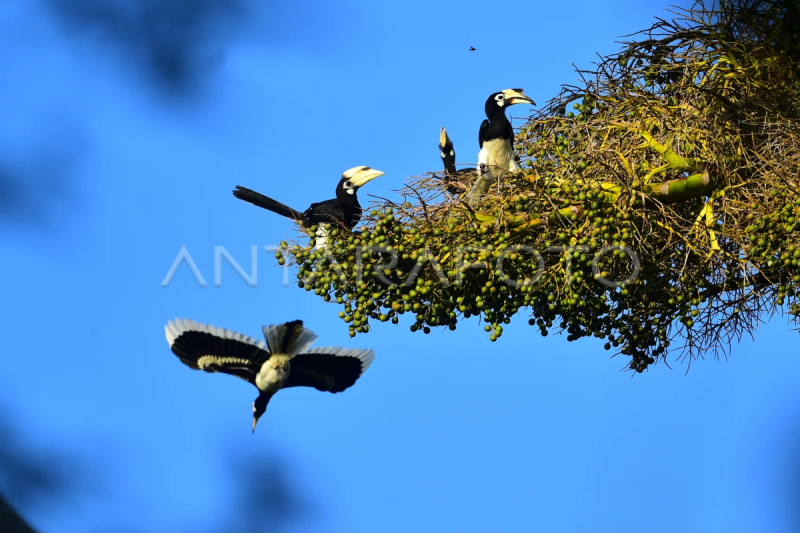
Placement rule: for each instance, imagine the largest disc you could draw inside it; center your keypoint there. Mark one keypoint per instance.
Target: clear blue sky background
(117, 168)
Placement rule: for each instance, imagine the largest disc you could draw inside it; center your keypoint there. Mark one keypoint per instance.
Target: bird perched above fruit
(284, 360)
(495, 138)
(448, 153)
(344, 210)
(496, 135)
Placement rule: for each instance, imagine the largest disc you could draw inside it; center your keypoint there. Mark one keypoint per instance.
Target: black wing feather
(326, 371)
(509, 133)
(211, 349)
(482, 132)
(327, 212)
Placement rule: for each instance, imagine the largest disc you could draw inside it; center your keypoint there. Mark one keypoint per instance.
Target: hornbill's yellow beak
(444, 140)
(516, 96)
(359, 176)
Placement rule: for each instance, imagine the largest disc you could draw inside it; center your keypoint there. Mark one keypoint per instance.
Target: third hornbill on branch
(448, 153)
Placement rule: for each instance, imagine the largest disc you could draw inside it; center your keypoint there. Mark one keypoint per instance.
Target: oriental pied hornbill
(284, 360)
(496, 136)
(344, 210)
(448, 153)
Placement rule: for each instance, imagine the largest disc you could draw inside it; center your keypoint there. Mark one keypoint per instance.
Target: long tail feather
(265, 202)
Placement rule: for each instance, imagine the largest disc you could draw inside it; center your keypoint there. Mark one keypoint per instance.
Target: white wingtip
(175, 328)
(366, 356)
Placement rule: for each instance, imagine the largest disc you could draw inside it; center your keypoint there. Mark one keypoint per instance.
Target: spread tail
(288, 339)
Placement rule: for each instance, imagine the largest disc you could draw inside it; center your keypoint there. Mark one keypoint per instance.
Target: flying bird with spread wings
(284, 360)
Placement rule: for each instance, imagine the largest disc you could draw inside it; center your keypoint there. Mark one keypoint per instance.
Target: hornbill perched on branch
(448, 153)
(284, 360)
(496, 140)
(344, 210)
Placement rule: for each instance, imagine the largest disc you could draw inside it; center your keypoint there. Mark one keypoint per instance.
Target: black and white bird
(496, 136)
(284, 360)
(448, 153)
(496, 140)
(344, 210)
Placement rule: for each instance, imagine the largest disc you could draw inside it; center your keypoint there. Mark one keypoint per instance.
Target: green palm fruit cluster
(657, 207)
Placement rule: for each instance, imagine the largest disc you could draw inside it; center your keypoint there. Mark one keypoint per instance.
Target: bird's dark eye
(347, 184)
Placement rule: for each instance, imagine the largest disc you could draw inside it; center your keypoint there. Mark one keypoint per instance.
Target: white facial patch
(442, 154)
(351, 191)
(500, 99)
(452, 153)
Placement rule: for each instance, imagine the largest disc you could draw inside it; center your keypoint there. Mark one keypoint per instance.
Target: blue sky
(118, 165)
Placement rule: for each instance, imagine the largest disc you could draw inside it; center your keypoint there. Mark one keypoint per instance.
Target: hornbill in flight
(344, 210)
(496, 140)
(284, 360)
(448, 154)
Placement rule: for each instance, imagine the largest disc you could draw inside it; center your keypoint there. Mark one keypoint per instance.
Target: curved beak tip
(517, 96)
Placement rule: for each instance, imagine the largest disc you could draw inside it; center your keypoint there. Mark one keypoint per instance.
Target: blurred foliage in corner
(267, 499)
(173, 43)
(34, 480)
(11, 521)
(29, 478)
(37, 187)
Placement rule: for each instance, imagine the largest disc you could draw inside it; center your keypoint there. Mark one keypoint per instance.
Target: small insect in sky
(471, 48)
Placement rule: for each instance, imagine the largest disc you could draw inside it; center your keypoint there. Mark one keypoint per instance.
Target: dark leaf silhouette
(266, 496)
(171, 41)
(10, 519)
(29, 475)
(32, 191)
(29, 478)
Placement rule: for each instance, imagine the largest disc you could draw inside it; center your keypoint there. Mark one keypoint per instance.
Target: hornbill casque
(448, 153)
(344, 210)
(284, 360)
(496, 140)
